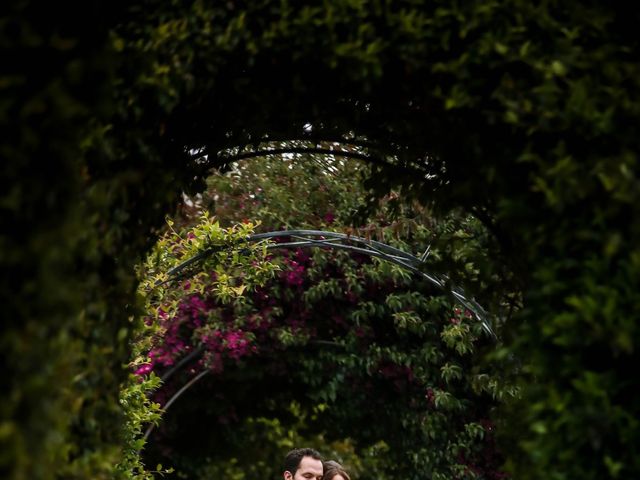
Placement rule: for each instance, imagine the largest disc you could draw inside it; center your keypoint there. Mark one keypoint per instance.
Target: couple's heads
(307, 464)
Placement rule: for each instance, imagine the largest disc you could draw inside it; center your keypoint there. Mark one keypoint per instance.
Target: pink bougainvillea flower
(143, 369)
(294, 276)
(329, 217)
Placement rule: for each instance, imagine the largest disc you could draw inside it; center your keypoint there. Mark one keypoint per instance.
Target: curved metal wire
(343, 241)
(332, 240)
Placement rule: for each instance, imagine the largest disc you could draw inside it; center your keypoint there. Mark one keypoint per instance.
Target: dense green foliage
(62, 225)
(79, 206)
(527, 113)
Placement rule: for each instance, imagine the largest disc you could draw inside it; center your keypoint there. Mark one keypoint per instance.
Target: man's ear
(287, 475)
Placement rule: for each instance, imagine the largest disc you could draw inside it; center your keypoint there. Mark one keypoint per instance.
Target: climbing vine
(230, 267)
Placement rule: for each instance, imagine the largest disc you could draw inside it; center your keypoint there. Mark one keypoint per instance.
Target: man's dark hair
(294, 457)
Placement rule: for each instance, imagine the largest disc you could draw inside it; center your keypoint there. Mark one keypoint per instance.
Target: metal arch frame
(323, 239)
(342, 241)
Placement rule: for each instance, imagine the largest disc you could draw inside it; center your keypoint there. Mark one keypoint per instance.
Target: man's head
(303, 464)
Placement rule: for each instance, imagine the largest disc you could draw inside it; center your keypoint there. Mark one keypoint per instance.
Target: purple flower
(143, 369)
(329, 217)
(295, 275)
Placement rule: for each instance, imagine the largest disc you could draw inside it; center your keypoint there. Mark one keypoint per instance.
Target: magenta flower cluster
(233, 344)
(294, 275)
(173, 345)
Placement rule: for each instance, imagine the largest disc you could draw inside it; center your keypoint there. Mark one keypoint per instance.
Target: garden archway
(306, 239)
(333, 240)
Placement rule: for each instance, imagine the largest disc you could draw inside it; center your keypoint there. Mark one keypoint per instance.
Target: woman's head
(334, 471)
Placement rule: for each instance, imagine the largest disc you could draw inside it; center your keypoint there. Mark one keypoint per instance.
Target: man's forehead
(312, 465)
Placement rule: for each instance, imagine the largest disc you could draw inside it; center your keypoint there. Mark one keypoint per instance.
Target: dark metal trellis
(325, 145)
(372, 248)
(330, 240)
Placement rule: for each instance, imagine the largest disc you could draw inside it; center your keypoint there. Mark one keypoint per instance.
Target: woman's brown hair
(331, 469)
